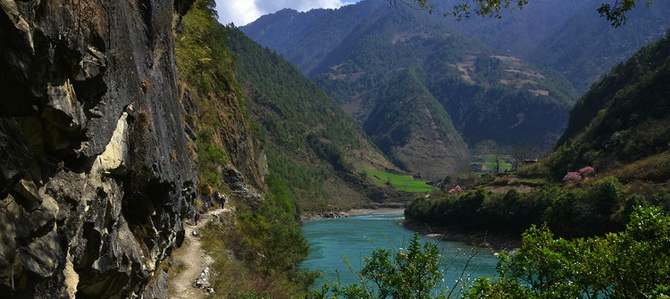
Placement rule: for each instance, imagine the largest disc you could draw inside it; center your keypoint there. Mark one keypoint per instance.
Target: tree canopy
(615, 13)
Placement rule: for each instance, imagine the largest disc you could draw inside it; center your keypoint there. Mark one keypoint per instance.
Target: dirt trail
(193, 258)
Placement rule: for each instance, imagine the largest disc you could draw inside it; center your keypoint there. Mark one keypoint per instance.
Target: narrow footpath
(192, 258)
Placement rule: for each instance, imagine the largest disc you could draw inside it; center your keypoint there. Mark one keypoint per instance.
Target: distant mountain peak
(366, 57)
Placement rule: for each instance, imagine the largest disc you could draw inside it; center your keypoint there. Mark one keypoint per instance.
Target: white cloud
(242, 12)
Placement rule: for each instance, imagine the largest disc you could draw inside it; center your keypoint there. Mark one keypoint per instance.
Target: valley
(461, 91)
(147, 150)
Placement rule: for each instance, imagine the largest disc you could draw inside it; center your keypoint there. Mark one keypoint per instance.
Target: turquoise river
(356, 237)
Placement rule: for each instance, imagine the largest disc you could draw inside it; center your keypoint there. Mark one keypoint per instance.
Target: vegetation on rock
(208, 68)
(311, 143)
(257, 254)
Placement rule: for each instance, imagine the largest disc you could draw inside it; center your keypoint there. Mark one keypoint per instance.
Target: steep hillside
(217, 117)
(299, 37)
(96, 174)
(484, 94)
(256, 236)
(414, 129)
(624, 118)
(310, 142)
(569, 36)
(614, 158)
(585, 47)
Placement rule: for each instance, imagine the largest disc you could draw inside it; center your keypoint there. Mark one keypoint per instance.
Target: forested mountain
(624, 120)
(613, 157)
(605, 190)
(482, 94)
(412, 127)
(568, 36)
(309, 140)
(306, 38)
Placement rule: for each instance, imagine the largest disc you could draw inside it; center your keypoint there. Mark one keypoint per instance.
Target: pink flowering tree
(587, 171)
(572, 177)
(455, 190)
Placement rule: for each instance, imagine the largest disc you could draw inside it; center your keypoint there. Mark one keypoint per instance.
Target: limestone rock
(43, 255)
(202, 282)
(15, 154)
(238, 187)
(96, 175)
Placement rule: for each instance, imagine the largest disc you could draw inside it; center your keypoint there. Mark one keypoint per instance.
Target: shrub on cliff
(267, 246)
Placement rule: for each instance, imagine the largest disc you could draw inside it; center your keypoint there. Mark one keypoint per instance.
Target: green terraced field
(490, 164)
(401, 182)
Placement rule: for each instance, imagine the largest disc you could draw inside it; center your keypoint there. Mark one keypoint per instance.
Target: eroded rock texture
(96, 170)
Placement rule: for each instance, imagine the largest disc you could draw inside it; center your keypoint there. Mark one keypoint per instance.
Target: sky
(242, 12)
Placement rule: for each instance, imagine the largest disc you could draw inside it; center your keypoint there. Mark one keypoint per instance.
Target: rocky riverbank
(323, 215)
(381, 211)
(350, 213)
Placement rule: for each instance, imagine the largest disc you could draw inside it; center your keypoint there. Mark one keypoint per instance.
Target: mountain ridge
(304, 129)
(614, 159)
(623, 118)
(478, 88)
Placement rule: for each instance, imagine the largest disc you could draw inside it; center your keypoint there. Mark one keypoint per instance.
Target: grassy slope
(490, 162)
(401, 182)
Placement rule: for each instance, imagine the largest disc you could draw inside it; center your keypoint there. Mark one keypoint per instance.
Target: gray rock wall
(96, 170)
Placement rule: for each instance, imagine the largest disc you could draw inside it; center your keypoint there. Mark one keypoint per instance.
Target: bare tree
(490, 147)
(522, 152)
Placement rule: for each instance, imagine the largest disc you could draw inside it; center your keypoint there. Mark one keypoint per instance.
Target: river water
(356, 237)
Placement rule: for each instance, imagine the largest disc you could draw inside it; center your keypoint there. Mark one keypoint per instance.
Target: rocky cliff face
(96, 168)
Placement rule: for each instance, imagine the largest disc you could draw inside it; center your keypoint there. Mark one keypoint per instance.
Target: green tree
(632, 264)
(490, 147)
(614, 13)
(410, 272)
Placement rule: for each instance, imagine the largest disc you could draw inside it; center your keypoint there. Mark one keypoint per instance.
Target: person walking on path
(197, 217)
(221, 198)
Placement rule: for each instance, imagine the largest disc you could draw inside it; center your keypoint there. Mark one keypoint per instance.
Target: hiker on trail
(197, 217)
(220, 198)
